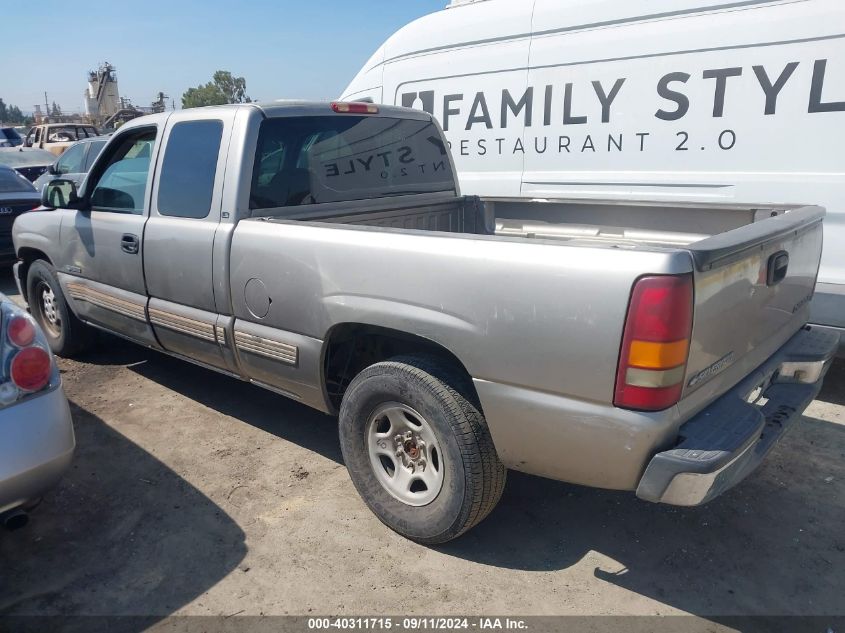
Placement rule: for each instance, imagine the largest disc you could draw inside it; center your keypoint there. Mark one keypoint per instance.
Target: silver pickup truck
(323, 251)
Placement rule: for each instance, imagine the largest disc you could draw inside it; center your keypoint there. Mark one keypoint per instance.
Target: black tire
(474, 478)
(67, 336)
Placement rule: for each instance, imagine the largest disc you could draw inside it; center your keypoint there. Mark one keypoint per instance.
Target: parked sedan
(36, 432)
(17, 195)
(75, 163)
(27, 162)
(9, 137)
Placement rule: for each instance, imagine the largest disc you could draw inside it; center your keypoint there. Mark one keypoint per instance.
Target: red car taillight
(26, 365)
(31, 369)
(655, 345)
(21, 331)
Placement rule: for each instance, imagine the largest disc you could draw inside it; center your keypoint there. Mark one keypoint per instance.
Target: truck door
(101, 267)
(179, 237)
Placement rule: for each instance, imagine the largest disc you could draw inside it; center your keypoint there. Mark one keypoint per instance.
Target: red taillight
(21, 331)
(31, 369)
(354, 107)
(655, 345)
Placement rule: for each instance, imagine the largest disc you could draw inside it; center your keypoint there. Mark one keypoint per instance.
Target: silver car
(75, 163)
(36, 432)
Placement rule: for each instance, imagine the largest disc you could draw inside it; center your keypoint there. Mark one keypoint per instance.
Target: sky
(307, 49)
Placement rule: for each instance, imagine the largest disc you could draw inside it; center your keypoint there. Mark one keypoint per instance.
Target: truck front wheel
(418, 449)
(66, 334)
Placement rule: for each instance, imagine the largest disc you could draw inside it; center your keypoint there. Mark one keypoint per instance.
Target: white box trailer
(604, 101)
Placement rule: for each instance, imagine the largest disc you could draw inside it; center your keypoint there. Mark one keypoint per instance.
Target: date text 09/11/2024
(416, 623)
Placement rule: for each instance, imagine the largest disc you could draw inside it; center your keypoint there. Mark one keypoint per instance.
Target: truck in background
(678, 101)
(57, 137)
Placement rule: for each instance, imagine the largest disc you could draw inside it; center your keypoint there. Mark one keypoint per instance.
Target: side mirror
(53, 169)
(60, 193)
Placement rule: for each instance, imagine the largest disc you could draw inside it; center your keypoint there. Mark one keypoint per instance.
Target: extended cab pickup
(323, 251)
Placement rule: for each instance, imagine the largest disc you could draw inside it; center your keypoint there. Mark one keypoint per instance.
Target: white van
(602, 101)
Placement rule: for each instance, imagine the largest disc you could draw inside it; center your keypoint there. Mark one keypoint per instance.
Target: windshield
(26, 158)
(12, 182)
(313, 160)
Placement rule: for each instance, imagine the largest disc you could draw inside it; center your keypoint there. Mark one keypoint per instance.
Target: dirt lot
(192, 493)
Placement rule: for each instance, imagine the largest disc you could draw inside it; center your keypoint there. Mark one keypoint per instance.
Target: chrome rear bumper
(721, 445)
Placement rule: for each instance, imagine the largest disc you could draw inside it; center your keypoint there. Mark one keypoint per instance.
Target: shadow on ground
(772, 545)
(784, 522)
(122, 534)
(258, 407)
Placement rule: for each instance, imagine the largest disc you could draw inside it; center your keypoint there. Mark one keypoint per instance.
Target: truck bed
(575, 222)
(731, 250)
(453, 215)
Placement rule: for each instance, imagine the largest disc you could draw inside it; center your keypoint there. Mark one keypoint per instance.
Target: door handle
(130, 244)
(778, 265)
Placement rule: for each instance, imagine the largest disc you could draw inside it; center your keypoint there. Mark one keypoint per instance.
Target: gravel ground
(192, 493)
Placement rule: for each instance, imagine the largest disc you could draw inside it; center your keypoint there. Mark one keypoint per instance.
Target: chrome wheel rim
(405, 454)
(52, 322)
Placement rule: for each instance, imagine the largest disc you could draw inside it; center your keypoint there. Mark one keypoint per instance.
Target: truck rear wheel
(66, 334)
(418, 449)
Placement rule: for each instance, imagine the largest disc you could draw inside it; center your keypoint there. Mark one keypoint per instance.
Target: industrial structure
(102, 97)
(104, 106)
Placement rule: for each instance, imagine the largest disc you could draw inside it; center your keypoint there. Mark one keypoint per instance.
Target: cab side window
(123, 182)
(186, 184)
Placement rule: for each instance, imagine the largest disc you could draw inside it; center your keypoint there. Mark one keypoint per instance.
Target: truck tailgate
(753, 287)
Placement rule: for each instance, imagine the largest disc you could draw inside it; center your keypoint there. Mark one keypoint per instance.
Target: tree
(16, 116)
(224, 88)
(13, 115)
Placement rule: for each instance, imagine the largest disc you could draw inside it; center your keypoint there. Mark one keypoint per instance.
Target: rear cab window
(325, 159)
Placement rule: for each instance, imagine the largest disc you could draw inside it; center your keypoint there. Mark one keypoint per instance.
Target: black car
(17, 195)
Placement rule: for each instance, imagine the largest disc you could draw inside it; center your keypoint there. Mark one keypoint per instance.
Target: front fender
(39, 231)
